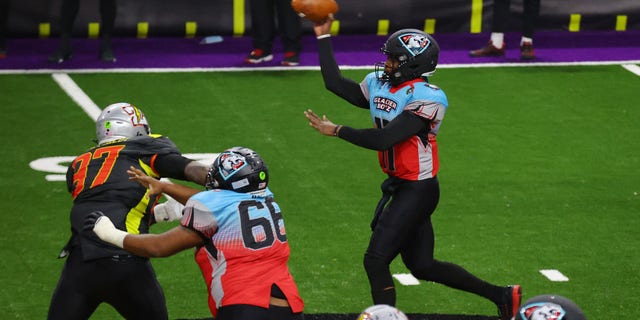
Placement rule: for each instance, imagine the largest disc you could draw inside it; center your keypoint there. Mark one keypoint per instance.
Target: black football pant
(128, 283)
(404, 227)
(69, 11)
(529, 16)
(264, 14)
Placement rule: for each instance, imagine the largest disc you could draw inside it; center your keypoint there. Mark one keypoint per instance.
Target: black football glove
(90, 220)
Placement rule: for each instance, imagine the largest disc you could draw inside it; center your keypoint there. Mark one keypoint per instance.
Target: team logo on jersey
(542, 311)
(415, 43)
(385, 104)
(230, 163)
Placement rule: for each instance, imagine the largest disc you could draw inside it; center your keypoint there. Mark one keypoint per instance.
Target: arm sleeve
(344, 88)
(172, 165)
(399, 129)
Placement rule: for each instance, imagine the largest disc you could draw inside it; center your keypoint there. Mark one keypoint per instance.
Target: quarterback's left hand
(323, 125)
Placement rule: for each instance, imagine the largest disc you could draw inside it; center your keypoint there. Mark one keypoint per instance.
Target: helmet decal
(238, 169)
(137, 117)
(415, 43)
(542, 311)
(230, 163)
(121, 120)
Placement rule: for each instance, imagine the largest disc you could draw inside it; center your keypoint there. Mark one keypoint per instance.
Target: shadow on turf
(412, 316)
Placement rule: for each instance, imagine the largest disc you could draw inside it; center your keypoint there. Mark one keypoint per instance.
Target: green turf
(539, 171)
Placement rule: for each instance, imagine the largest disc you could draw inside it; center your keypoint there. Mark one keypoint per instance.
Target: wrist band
(336, 129)
(322, 36)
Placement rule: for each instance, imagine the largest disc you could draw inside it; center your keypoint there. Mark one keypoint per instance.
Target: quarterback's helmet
(417, 53)
(121, 120)
(549, 307)
(382, 312)
(238, 169)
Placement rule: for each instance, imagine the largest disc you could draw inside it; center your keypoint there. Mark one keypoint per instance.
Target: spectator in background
(264, 14)
(68, 14)
(4, 17)
(496, 45)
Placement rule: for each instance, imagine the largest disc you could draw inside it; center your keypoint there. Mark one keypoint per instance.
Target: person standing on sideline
(496, 45)
(407, 112)
(237, 224)
(264, 14)
(68, 14)
(97, 180)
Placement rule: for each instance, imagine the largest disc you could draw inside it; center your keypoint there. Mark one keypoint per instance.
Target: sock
(497, 38)
(526, 40)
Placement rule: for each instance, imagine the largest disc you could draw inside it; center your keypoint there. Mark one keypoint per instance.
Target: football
(315, 10)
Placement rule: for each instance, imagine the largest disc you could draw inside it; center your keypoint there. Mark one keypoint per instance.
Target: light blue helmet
(121, 120)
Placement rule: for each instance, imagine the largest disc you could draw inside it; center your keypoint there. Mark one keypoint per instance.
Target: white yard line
(634, 68)
(406, 279)
(554, 275)
(82, 99)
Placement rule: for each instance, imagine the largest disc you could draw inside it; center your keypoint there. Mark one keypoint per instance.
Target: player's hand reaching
(155, 186)
(323, 125)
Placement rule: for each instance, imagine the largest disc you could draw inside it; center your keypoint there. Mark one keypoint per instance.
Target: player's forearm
(196, 172)
(343, 87)
(178, 192)
(147, 245)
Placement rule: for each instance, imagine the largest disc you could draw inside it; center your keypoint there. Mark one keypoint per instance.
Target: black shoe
(527, 52)
(508, 308)
(291, 58)
(488, 51)
(258, 56)
(61, 55)
(106, 54)
(64, 50)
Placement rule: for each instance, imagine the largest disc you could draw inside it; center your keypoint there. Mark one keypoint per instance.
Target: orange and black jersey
(98, 180)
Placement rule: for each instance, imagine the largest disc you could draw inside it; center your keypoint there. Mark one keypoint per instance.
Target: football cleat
(510, 305)
(258, 56)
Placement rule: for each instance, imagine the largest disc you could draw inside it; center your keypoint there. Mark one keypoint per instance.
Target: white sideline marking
(82, 99)
(317, 68)
(554, 275)
(633, 68)
(406, 279)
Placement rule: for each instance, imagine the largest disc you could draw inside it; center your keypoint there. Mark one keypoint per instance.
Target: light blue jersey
(415, 158)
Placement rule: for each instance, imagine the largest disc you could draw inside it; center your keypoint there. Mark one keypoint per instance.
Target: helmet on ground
(382, 312)
(238, 169)
(121, 120)
(549, 307)
(417, 53)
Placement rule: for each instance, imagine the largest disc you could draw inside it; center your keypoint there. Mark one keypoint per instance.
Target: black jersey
(98, 180)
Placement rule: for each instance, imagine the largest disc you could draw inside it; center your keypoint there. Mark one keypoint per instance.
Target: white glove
(106, 231)
(169, 210)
